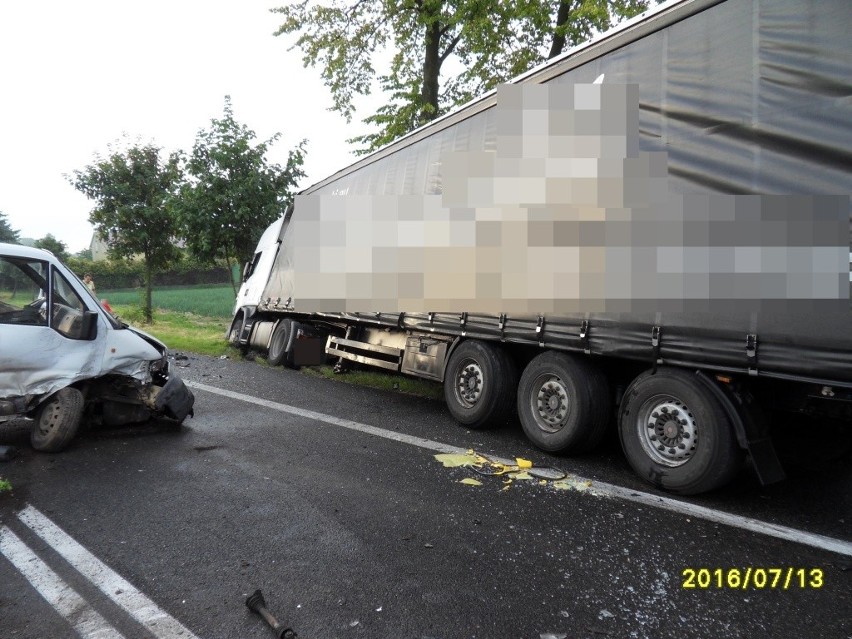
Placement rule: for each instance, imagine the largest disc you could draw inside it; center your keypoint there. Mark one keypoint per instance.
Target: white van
(64, 360)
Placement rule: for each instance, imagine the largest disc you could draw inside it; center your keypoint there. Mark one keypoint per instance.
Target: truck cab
(256, 274)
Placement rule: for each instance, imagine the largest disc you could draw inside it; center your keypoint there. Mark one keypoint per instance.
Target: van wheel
(676, 434)
(479, 385)
(57, 421)
(563, 403)
(280, 345)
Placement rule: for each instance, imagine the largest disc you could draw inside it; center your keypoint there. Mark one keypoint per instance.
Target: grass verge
(381, 380)
(182, 331)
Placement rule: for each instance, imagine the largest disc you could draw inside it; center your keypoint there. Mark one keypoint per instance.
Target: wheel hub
(550, 404)
(668, 431)
(469, 383)
(671, 429)
(49, 419)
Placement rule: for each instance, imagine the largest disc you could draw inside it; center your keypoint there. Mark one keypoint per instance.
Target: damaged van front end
(66, 362)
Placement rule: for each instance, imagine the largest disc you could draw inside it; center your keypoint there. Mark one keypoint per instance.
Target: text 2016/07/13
(757, 578)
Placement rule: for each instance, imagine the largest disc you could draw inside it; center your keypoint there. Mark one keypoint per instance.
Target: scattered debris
(570, 483)
(202, 449)
(521, 470)
(552, 635)
(547, 473)
(224, 357)
(8, 453)
(605, 614)
(450, 460)
(256, 603)
(180, 356)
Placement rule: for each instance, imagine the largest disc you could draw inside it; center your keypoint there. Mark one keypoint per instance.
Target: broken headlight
(159, 369)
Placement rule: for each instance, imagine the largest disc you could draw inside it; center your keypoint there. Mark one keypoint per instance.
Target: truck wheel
(676, 434)
(280, 345)
(234, 331)
(234, 334)
(479, 384)
(57, 421)
(563, 403)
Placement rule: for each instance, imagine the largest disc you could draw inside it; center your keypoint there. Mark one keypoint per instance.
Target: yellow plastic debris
(521, 475)
(468, 481)
(453, 460)
(572, 484)
(523, 463)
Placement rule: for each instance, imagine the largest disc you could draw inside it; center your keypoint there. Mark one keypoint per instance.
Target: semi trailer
(649, 233)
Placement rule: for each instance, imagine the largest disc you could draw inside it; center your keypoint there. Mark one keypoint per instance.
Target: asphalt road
(365, 534)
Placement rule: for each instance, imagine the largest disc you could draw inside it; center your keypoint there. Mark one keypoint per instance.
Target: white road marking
(64, 599)
(122, 592)
(821, 542)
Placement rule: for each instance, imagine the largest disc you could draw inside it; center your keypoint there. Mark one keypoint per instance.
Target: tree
(491, 41)
(7, 233)
(84, 254)
(231, 192)
(133, 192)
(57, 247)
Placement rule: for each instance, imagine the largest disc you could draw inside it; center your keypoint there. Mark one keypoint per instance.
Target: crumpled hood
(38, 361)
(153, 341)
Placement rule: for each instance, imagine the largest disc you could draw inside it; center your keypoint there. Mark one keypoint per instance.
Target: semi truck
(649, 233)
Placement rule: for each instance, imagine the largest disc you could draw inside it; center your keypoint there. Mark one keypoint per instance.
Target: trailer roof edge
(635, 28)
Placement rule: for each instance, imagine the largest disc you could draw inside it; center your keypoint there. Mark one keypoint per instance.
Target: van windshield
(115, 323)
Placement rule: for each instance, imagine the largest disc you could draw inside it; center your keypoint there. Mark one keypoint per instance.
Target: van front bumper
(175, 400)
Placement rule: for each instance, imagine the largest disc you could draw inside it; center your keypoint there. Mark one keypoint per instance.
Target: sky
(77, 76)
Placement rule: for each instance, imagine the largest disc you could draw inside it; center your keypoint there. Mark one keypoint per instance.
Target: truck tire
(57, 421)
(480, 384)
(676, 434)
(563, 403)
(281, 344)
(234, 331)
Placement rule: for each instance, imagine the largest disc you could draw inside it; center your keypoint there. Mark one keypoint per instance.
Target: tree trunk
(149, 276)
(558, 43)
(431, 73)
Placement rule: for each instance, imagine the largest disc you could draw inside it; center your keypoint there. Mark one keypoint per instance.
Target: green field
(210, 300)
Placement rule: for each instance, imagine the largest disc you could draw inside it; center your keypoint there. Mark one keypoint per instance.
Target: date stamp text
(785, 578)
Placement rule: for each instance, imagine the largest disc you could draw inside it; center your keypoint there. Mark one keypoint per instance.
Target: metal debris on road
(256, 603)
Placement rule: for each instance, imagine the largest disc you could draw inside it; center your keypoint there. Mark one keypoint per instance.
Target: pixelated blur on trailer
(555, 208)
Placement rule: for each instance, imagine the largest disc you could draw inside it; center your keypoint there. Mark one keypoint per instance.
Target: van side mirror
(89, 328)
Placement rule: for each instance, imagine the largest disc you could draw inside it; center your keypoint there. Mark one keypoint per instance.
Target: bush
(112, 274)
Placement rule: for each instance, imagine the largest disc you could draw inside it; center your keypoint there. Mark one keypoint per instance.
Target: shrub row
(109, 274)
